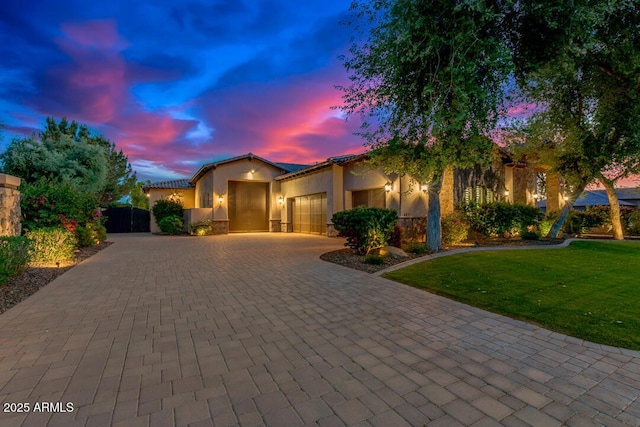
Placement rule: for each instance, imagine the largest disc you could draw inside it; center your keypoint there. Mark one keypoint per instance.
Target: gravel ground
(37, 276)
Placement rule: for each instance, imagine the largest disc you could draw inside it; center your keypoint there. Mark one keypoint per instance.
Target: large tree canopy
(71, 153)
(580, 63)
(427, 77)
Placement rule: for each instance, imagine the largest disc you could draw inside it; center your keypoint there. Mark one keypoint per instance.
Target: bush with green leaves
(164, 208)
(91, 234)
(417, 248)
(500, 219)
(454, 228)
(14, 256)
(171, 224)
(633, 222)
(202, 228)
(51, 244)
(373, 259)
(52, 204)
(365, 228)
(579, 222)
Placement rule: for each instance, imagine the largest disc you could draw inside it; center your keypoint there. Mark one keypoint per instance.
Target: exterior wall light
(280, 200)
(506, 193)
(424, 188)
(535, 196)
(565, 198)
(387, 187)
(220, 200)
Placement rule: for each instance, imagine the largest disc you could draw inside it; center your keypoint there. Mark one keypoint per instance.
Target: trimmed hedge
(14, 256)
(365, 228)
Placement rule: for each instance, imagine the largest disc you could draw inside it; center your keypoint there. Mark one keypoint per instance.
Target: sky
(178, 83)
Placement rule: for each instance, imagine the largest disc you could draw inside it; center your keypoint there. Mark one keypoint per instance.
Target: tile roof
(172, 184)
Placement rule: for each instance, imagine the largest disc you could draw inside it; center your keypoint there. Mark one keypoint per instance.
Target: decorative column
(10, 213)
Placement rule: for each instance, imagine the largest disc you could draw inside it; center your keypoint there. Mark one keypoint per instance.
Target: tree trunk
(614, 205)
(434, 237)
(564, 213)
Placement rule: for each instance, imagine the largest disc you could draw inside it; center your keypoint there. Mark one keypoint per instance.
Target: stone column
(10, 214)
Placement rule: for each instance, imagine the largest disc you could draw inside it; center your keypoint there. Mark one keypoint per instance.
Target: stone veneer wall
(414, 229)
(275, 226)
(10, 213)
(220, 226)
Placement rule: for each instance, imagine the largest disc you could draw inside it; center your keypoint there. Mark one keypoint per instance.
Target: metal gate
(248, 203)
(127, 220)
(309, 214)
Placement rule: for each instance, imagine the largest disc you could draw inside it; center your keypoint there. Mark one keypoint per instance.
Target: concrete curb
(484, 249)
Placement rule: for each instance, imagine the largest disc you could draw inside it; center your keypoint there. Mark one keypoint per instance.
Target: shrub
(14, 256)
(164, 208)
(373, 259)
(171, 224)
(51, 245)
(530, 235)
(53, 204)
(92, 234)
(454, 228)
(500, 219)
(365, 228)
(201, 228)
(579, 222)
(417, 248)
(633, 222)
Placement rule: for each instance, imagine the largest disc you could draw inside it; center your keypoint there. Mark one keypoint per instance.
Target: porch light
(387, 187)
(220, 199)
(424, 188)
(280, 200)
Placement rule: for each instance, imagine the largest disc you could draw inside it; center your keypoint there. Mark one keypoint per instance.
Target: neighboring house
(627, 197)
(249, 193)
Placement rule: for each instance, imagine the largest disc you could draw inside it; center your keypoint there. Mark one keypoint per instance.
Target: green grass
(589, 290)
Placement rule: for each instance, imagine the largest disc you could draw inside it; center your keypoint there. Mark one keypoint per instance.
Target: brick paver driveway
(255, 329)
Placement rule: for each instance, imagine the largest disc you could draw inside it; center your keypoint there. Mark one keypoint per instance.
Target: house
(249, 193)
(627, 197)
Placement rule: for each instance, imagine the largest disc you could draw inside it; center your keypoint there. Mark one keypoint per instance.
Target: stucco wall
(10, 214)
(321, 181)
(186, 196)
(204, 197)
(241, 170)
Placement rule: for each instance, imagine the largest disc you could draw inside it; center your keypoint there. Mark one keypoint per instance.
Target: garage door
(310, 214)
(248, 206)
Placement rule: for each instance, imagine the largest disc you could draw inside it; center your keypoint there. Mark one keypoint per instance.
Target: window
(479, 194)
(369, 198)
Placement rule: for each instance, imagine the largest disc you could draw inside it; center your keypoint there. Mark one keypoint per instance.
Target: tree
(580, 63)
(120, 178)
(57, 160)
(427, 80)
(138, 198)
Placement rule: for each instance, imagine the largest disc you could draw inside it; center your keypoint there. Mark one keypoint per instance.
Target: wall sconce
(220, 200)
(252, 171)
(424, 188)
(387, 187)
(506, 193)
(565, 198)
(535, 196)
(280, 200)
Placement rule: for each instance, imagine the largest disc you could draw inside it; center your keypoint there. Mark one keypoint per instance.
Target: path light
(387, 187)
(424, 188)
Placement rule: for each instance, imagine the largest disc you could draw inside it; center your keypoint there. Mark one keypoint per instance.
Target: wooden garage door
(248, 206)
(310, 214)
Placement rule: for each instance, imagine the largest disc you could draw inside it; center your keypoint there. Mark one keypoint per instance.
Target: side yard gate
(127, 220)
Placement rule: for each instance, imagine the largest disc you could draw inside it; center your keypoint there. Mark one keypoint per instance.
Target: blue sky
(178, 83)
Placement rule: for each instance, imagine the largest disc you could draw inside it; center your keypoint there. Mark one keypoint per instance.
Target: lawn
(589, 290)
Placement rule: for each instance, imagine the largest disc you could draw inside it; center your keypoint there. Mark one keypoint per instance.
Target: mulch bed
(347, 258)
(35, 277)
